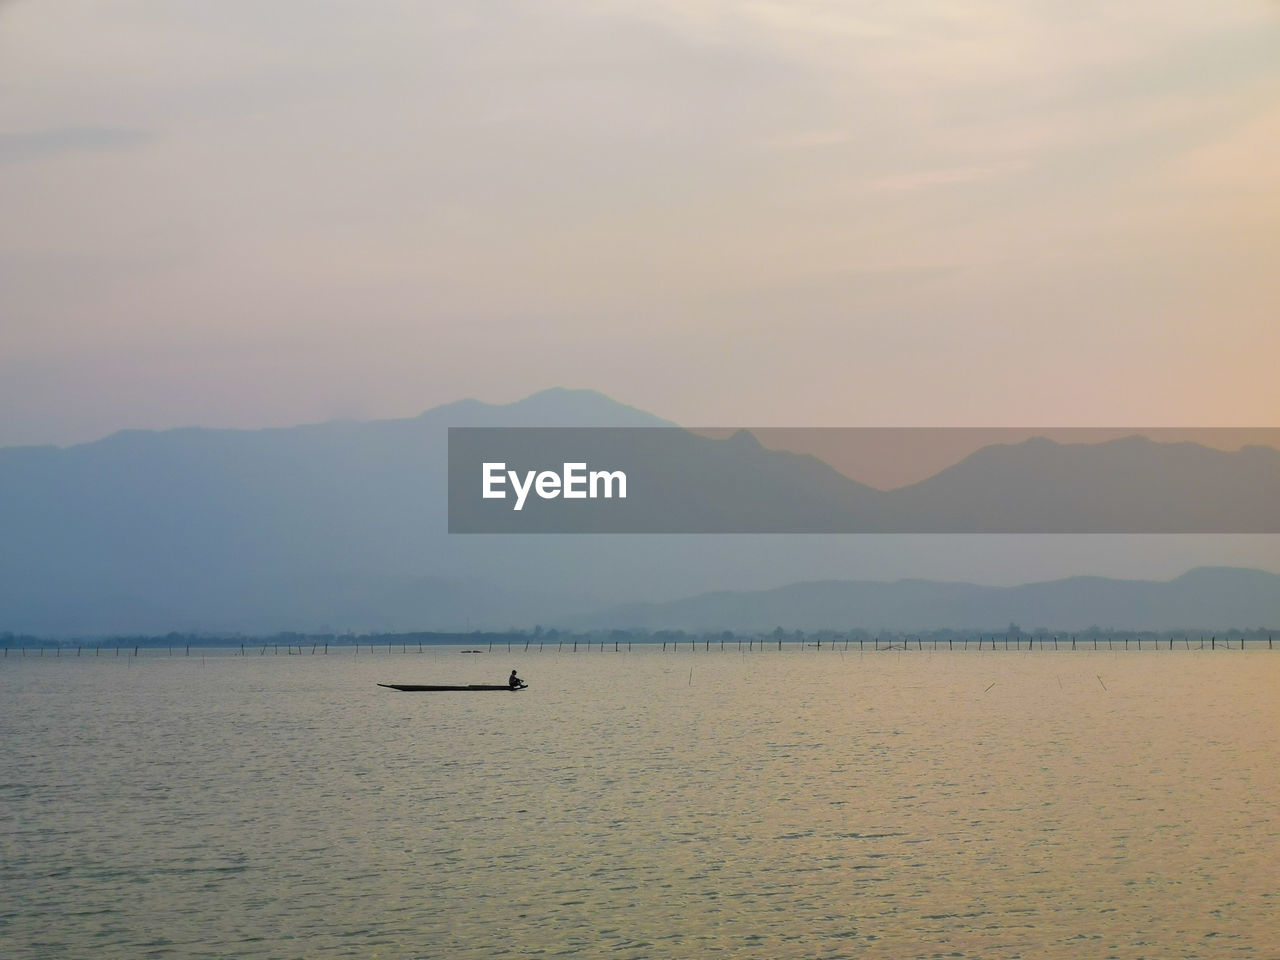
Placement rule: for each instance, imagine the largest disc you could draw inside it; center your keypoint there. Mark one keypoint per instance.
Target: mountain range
(343, 525)
(1210, 598)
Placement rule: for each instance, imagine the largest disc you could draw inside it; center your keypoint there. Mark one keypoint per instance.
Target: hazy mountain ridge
(1205, 598)
(343, 525)
(1131, 483)
(337, 522)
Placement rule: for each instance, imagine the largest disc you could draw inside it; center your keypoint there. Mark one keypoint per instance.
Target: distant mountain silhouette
(1205, 598)
(1131, 484)
(339, 523)
(343, 524)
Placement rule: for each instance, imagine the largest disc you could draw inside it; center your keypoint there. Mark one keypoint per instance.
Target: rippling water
(642, 804)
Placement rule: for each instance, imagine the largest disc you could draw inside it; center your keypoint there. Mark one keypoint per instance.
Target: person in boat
(514, 682)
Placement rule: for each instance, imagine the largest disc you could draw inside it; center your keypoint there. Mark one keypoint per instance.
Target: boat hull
(440, 688)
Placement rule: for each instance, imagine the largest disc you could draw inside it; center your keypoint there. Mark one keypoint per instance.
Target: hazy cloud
(16, 147)
(393, 204)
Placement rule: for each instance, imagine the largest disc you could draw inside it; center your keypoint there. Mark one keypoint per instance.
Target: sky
(921, 213)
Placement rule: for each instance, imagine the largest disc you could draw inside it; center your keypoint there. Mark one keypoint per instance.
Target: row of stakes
(747, 645)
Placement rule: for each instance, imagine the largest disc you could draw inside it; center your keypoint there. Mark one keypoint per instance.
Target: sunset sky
(930, 213)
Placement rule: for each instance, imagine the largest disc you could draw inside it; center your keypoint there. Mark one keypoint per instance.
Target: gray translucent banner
(863, 480)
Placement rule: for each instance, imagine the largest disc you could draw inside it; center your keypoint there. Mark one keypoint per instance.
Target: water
(772, 805)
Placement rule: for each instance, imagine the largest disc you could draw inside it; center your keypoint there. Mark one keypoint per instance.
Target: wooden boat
(422, 687)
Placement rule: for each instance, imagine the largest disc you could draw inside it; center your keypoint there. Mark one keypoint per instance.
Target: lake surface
(643, 804)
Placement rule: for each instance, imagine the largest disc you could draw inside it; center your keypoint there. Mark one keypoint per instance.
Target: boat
(423, 687)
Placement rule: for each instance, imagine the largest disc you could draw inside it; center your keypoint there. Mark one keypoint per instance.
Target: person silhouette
(514, 682)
